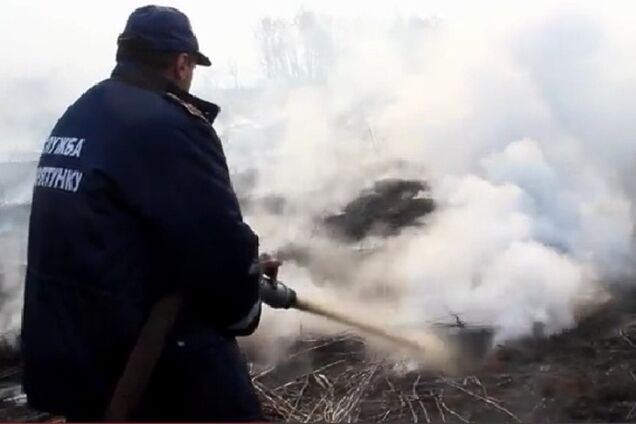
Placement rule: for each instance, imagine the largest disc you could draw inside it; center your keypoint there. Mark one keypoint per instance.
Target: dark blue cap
(164, 29)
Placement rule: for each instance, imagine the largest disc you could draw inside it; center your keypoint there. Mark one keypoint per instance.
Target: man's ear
(182, 66)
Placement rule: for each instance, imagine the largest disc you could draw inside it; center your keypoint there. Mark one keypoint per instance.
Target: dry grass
(350, 388)
(587, 374)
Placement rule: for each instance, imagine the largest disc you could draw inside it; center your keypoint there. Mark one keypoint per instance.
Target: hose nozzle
(276, 294)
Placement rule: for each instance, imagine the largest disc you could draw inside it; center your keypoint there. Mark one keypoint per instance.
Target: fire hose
(150, 343)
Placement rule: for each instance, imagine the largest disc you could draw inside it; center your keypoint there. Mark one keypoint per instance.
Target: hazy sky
(81, 34)
(54, 50)
(72, 35)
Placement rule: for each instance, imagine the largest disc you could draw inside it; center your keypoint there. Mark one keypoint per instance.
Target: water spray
(321, 310)
(427, 347)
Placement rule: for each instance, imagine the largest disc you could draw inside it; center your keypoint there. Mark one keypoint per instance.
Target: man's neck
(150, 79)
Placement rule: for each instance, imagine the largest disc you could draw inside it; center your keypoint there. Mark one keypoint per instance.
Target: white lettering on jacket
(58, 178)
(64, 146)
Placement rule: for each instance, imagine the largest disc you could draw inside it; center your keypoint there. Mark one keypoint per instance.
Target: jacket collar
(142, 77)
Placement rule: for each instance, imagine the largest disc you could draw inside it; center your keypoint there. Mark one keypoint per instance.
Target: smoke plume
(517, 131)
(520, 121)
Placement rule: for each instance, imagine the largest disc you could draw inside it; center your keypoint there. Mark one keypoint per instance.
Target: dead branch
(631, 414)
(419, 400)
(488, 400)
(449, 410)
(627, 338)
(440, 410)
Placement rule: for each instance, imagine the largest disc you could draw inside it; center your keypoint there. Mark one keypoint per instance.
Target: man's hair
(134, 51)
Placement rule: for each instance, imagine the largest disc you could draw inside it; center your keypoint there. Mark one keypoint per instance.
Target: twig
(330, 341)
(488, 400)
(458, 321)
(373, 140)
(398, 394)
(626, 338)
(483, 388)
(348, 403)
(417, 397)
(263, 373)
(440, 410)
(450, 411)
(630, 414)
(323, 381)
(300, 352)
(314, 373)
(504, 380)
(311, 413)
(413, 413)
(278, 404)
(302, 392)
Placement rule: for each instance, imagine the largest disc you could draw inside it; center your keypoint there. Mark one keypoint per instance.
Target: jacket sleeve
(178, 182)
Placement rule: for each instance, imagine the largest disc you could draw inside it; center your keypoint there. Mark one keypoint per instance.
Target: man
(133, 201)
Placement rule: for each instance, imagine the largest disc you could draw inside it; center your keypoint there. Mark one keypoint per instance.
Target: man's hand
(273, 292)
(269, 266)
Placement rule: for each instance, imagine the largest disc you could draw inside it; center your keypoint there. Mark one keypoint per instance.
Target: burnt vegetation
(388, 207)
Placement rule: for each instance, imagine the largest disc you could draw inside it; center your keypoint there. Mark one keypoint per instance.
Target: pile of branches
(345, 385)
(585, 374)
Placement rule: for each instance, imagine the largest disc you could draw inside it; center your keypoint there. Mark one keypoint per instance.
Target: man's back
(132, 200)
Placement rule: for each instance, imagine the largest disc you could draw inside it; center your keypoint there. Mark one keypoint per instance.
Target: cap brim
(202, 59)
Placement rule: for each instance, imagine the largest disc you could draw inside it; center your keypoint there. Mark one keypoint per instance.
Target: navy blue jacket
(132, 200)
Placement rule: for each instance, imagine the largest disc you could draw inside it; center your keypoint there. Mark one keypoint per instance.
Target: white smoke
(519, 116)
(521, 130)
